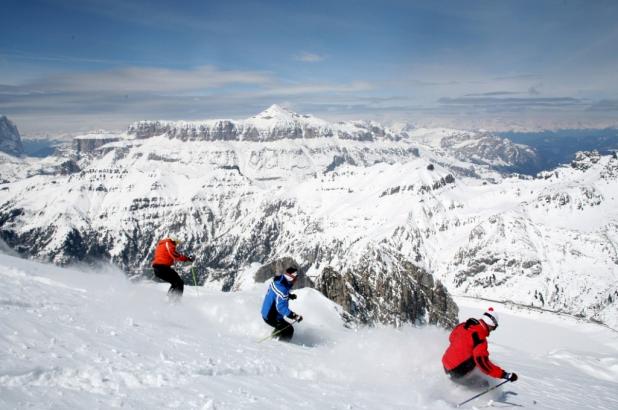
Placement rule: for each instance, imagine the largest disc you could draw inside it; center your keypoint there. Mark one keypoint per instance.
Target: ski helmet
(291, 274)
(490, 317)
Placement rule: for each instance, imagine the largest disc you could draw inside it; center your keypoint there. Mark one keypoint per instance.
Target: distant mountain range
(554, 148)
(384, 221)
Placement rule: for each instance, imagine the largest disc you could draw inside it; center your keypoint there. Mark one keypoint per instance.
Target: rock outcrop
(10, 140)
(87, 144)
(394, 292)
(277, 267)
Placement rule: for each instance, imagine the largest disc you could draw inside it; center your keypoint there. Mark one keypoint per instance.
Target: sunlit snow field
(74, 338)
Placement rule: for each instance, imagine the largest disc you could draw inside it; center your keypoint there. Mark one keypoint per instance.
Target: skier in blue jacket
(275, 309)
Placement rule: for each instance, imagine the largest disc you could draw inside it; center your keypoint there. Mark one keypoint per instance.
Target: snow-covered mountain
(548, 242)
(277, 123)
(274, 123)
(373, 216)
(75, 339)
(479, 147)
(10, 140)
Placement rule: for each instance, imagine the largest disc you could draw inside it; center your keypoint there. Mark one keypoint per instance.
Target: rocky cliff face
(87, 144)
(389, 289)
(10, 140)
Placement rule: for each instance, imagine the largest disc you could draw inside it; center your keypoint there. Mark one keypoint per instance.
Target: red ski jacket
(468, 349)
(165, 253)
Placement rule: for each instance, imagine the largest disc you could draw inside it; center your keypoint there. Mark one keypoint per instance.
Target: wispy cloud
(518, 77)
(309, 57)
(492, 94)
(146, 80)
(20, 55)
(513, 101)
(196, 82)
(322, 88)
(604, 106)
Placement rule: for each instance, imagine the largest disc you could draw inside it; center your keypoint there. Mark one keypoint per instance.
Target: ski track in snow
(71, 338)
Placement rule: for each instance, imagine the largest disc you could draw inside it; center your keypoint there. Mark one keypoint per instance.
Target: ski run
(79, 338)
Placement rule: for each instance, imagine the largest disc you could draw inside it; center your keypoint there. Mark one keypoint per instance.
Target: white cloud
(147, 80)
(324, 88)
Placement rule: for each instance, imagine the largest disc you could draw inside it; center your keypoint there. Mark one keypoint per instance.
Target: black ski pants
(285, 330)
(169, 275)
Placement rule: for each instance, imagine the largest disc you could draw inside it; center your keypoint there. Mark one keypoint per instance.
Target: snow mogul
(275, 309)
(164, 257)
(468, 350)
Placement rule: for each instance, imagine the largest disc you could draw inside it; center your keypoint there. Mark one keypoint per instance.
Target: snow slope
(73, 338)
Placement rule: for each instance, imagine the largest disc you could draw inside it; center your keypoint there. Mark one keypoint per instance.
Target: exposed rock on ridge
(10, 140)
(394, 292)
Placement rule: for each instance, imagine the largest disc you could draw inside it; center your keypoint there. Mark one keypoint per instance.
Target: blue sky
(74, 65)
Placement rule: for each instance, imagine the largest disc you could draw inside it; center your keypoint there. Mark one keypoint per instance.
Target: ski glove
(510, 376)
(296, 317)
(292, 296)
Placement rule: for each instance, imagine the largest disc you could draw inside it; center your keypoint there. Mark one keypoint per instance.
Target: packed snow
(84, 338)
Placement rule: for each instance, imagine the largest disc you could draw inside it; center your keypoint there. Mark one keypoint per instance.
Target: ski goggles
(291, 277)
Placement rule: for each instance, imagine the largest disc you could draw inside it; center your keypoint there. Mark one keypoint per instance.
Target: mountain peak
(10, 140)
(278, 112)
(276, 108)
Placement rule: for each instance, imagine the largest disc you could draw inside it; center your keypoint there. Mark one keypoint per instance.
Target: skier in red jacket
(468, 349)
(164, 257)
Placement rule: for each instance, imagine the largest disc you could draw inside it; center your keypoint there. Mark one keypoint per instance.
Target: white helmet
(490, 317)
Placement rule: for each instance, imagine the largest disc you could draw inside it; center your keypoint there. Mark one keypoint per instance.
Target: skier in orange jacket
(164, 257)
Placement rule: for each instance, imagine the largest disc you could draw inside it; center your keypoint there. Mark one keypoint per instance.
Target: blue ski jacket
(276, 300)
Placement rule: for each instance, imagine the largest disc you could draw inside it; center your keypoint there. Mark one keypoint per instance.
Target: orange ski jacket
(165, 253)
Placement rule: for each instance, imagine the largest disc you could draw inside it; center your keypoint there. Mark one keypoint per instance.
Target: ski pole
(273, 334)
(481, 393)
(194, 280)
